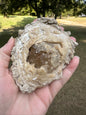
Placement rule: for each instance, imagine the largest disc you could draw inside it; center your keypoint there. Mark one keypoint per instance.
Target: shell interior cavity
(41, 52)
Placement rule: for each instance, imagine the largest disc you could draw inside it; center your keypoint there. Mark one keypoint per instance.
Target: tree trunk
(60, 15)
(37, 10)
(74, 9)
(56, 13)
(5, 14)
(43, 13)
(38, 14)
(44, 8)
(55, 16)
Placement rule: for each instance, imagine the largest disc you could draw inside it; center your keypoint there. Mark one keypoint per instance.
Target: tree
(77, 4)
(35, 4)
(58, 6)
(83, 9)
(44, 6)
(3, 7)
(39, 6)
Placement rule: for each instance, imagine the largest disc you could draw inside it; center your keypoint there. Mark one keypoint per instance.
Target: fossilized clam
(42, 50)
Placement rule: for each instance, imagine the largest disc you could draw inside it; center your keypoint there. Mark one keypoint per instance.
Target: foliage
(41, 7)
(82, 11)
(58, 6)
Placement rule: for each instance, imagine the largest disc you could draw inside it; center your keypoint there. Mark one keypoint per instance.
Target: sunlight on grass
(79, 21)
(84, 41)
(10, 26)
(6, 23)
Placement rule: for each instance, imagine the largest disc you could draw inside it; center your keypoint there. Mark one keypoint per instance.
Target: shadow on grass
(77, 31)
(7, 33)
(71, 100)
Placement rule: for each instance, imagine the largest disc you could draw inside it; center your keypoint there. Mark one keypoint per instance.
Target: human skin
(13, 102)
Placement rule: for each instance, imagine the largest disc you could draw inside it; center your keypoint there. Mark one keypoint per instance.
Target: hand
(13, 102)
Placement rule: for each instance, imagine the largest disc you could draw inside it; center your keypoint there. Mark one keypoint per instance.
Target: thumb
(6, 49)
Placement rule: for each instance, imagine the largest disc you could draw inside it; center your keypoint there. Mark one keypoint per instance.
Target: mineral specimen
(42, 50)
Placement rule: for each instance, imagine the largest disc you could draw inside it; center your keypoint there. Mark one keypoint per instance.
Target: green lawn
(10, 26)
(71, 100)
(11, 21)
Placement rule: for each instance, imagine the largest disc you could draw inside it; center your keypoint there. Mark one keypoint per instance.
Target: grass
(78, 21)
(10, 26)
(71, 100)
(6, 23)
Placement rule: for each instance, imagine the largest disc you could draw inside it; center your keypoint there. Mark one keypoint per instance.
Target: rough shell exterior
(42, 50)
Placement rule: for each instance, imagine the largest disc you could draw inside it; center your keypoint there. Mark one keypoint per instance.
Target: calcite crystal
(41, 52)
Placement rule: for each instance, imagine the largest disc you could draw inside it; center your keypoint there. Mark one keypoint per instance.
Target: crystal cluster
(42, 50)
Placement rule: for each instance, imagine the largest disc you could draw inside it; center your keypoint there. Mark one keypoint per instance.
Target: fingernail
(73, 38)
(77, 57)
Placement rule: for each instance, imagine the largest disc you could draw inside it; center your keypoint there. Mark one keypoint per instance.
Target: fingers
(67, 73)
(4, 60)
(69, 70)
(62, 28)
(74, 39)
(5, 52)
(8, 47)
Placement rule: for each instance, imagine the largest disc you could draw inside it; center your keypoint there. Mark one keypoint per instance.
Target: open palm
(13, 102)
